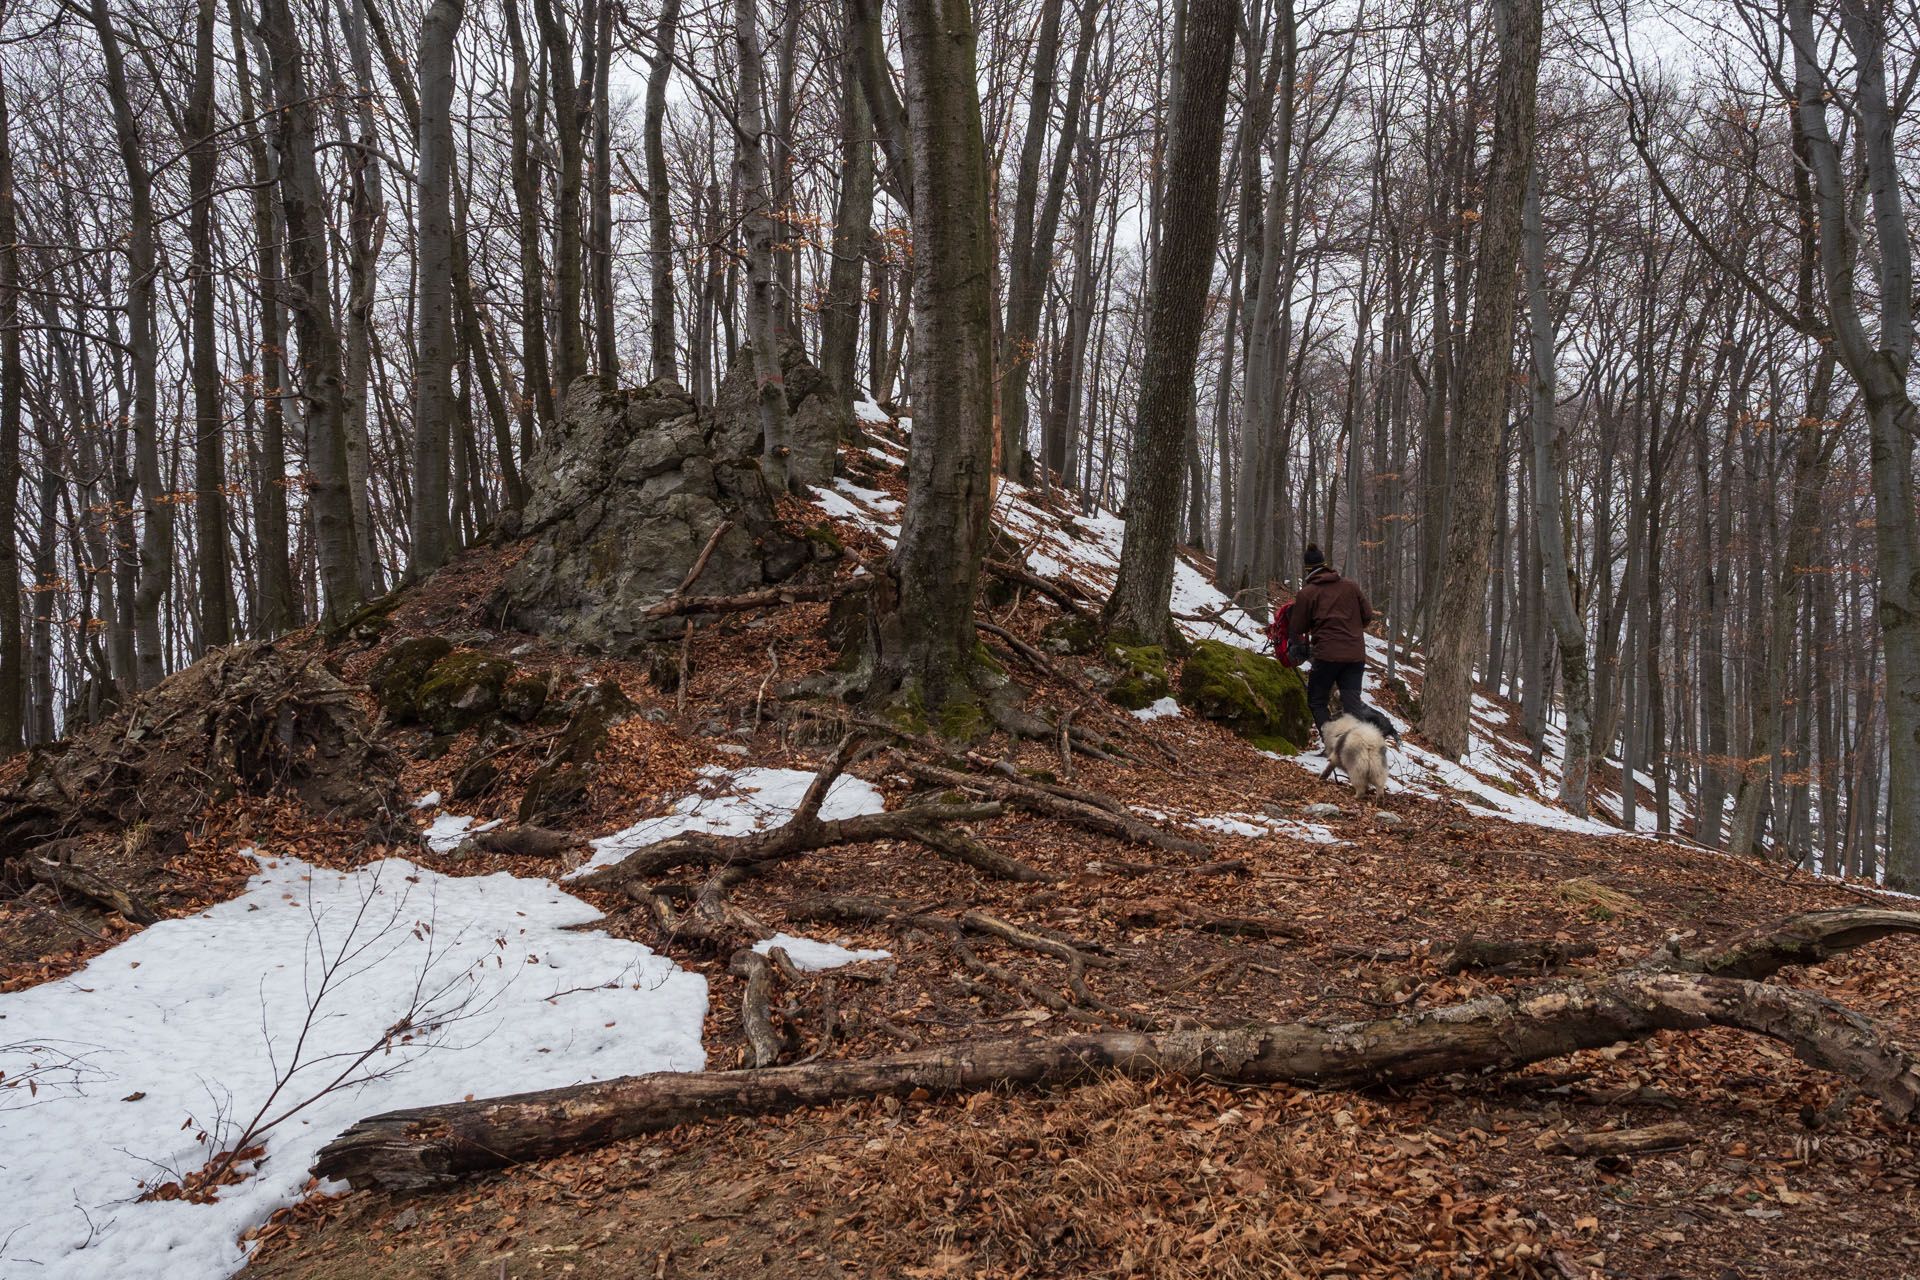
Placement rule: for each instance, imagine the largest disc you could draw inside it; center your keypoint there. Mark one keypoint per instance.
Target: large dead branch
(678, 605)
(424, 1147)
(1805, 939)
(1059, 592)
(1035, 800)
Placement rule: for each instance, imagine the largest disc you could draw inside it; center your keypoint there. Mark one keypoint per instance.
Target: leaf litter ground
(1786, 1174)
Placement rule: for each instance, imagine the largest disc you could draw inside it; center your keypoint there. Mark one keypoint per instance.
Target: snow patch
(810, 956)
(449, 829)
(196, 1020)
(736, 803)
(1157, 710)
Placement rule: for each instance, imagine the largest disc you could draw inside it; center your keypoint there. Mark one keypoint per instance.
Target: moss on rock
(523, 697)
(1249, 693)
(396, 677)
(1074, 634)
(462, 690)
(1143, 674)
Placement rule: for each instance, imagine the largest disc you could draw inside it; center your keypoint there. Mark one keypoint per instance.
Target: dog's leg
(1328, 771)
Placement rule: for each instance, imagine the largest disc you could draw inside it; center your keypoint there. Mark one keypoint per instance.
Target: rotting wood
(755, 1017)
(1053, 589)
(1513, 956)
(420, 1148)
(68, 878)
(524, 840)
(1621, 1142)
(768, 597)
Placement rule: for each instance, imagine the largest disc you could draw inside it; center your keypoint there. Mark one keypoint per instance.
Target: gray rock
(1387, 818)
(1322, 811)
(625, 492)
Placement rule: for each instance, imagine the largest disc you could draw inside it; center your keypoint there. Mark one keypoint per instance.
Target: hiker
(1332, 611)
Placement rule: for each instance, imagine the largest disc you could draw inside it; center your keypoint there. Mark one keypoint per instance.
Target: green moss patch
(1247, 692)
(395, 678)
(1143, 674)
(462, 690)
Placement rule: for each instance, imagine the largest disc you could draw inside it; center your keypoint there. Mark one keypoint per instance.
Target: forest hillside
(495, 861)
(985, 638)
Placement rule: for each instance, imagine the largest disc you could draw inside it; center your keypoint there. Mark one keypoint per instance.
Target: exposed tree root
(679, 606)
(425, 1147)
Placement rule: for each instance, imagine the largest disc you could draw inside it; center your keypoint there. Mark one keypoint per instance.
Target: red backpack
(1288, 651)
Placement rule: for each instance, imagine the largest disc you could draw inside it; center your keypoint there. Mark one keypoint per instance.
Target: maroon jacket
(1334, 611)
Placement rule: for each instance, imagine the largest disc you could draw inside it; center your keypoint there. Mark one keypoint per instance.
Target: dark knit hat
(1313, 559)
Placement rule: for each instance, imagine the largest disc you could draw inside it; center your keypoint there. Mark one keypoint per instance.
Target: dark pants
(1324, 678)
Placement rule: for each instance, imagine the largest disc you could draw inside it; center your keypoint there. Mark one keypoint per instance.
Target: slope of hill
(1191, 893)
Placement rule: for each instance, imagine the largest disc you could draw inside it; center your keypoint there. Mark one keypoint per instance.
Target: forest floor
(1781, 1170)
(1452, 1178)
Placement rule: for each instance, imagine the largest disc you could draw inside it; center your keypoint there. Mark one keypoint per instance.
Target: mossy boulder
(522, 698)
(1249, 693)
(461, 690)
(1076, 634)
(1143, 674)
(396, 677)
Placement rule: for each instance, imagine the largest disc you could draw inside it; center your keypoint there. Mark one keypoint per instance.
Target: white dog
(1358, 750)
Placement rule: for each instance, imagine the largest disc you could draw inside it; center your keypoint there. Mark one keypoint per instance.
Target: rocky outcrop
(816, 420)
(1249, 693)
(625, 493)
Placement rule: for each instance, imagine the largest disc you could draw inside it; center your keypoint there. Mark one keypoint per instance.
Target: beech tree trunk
(1549, 522)
(1880, 369)
(764, 305)
(156, 512)
(433, 411)
(275, 607)
(1447, 696)
(852, 226)
(659, 212)
(310, 296)
(926, 630)
(209, 436)
(1142, 593)
(571, 346)
(13, 682)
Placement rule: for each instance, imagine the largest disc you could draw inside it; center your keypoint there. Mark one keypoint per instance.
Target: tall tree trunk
(322, 391)
(926, 639)
(209, 438)
(852, 227)
(13, 683)
(540, 403)
(365, 234)
(433, 414)
(1881, 371)
(659, 211)
(1447, 697)
(276, 608)
(600, 214)
(570, 344)
(1812, 450)
(156, 523)
(1142, 592)
(757, 222)
(869, 54)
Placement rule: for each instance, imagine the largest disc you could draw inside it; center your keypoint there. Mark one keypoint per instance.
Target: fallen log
(420, 1148)
(678, 606)
(1034, 800)
(68, 878)
(1537, 955)
(522, 839)
(1808, 938)
(1058, 592)
(1624, 1142)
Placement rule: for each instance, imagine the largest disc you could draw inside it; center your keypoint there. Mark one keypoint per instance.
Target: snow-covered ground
(315, 998)
(1497, 777)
